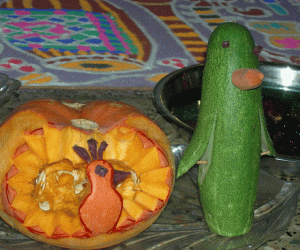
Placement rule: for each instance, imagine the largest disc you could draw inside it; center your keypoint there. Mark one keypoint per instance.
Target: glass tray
(7, 87)
(182, 224)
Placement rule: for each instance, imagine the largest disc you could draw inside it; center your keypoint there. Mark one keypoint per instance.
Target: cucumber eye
(225, 44)
(257, 50)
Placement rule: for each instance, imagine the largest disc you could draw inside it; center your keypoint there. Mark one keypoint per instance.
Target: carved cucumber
(231, 132)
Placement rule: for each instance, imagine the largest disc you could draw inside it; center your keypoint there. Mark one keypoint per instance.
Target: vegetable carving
(103, 197)
(85, 178)
(231, 132)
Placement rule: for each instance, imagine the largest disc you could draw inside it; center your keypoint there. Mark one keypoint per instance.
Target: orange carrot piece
(10, 193)
(101, 209)
(12, 172)
(39, 131)
(20, 150)
(7, 208)
(146, 141)
(36, 230)
(246, 79)
(20, 216)
(58, 233)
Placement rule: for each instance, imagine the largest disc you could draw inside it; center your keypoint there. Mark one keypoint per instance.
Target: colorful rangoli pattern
(64, 31)
(94, 43)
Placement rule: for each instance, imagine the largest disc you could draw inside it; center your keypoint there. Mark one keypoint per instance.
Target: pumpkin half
(83, 176)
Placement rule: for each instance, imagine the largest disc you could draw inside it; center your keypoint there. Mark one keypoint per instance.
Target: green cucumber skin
(228, 135)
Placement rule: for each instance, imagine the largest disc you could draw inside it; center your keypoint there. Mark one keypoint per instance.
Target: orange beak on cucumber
(231, 132)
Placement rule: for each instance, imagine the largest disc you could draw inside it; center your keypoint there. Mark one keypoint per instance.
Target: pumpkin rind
(56, 118)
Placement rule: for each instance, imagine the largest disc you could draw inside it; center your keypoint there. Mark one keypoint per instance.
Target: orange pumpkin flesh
(51, 194)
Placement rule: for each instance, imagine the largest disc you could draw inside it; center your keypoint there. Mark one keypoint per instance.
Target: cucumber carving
(231, 133)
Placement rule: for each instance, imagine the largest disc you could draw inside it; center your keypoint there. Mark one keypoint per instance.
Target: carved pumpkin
(86, 177)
